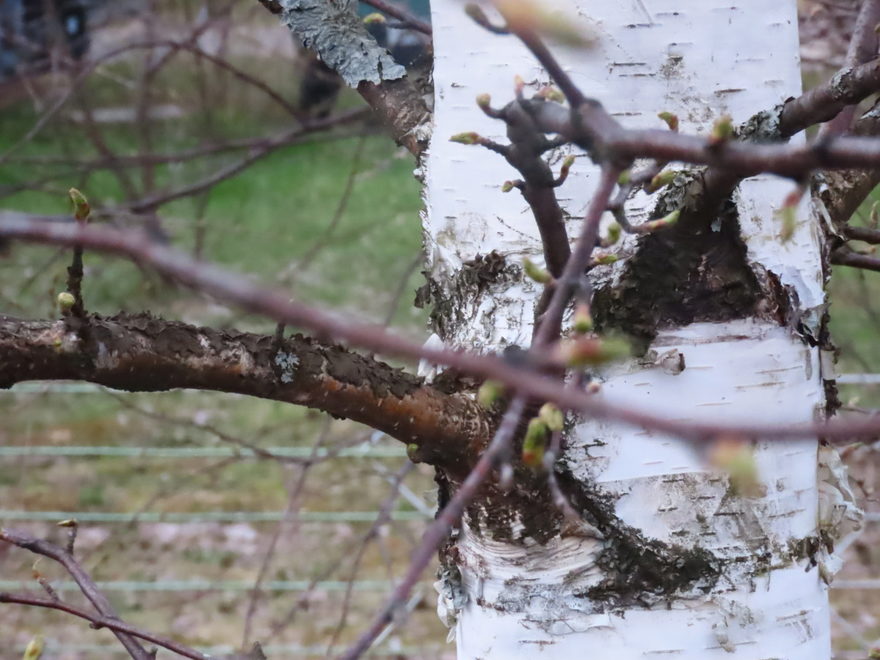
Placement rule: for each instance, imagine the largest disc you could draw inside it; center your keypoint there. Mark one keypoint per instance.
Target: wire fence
(410, 508)
(366, 451)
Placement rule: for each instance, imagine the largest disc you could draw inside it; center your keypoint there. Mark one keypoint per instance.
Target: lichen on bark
(333, 30)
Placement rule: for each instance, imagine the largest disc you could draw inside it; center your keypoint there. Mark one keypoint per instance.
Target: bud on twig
(671, 120)
(534, 443)
(605, 259)
(613, 235)
(722, 131)
(81, 208)
(735, 456)
(533, 16)
(466, 138)
(552, 416)
(788, 213)
(585, 351)
(583, 320)
(489, 393)
(566, 166)
(34, 649)
(375, 17)
(65, 302)
(662, 179)
(535, 272)
(551, 93)
(665, 221)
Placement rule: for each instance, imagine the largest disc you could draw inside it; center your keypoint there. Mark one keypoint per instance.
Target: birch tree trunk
(670, 561)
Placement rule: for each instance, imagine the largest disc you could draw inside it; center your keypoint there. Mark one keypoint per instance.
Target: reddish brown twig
(97, 622)
(84, 581)
(277, 306)
(843, 256)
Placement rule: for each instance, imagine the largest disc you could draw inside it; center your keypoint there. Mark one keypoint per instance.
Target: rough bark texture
(140, 353)
(669, 559)
(393, 96)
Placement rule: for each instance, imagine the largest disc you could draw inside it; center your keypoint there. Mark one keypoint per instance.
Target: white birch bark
(699, 59)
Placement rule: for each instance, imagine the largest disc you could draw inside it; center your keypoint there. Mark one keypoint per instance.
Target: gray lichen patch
(333, 30)
(763, 126)
(287, 364)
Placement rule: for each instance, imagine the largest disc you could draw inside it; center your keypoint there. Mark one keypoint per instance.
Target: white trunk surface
(700, 59)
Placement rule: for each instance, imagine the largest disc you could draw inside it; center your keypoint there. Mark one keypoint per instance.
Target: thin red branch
(149, 204)
(86, 585)
(97, 621)
(277, 305)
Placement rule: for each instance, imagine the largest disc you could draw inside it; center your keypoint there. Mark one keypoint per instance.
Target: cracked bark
(142, 353)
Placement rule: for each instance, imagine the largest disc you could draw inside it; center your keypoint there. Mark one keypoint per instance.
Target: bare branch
(83, 580)
(525, 154)
(865, 234)
(862, 48)
(843, 256)
(149, 204)
(846, 87)
(143, 353)
(97, 622)
(276, 305)
(843, 191)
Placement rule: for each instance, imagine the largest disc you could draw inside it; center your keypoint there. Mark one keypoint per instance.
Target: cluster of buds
(549, 420)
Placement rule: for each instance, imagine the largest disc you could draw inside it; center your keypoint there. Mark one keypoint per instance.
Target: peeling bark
(668, 559)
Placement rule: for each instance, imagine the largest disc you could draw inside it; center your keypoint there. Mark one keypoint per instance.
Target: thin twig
(845, 257)
(83, 580)
(438, 530)
(98, 621)
(277, 305)
(406, 18)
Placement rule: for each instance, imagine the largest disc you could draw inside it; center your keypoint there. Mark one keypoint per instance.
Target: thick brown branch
(847, 87)
(400, 106)
(865, 234)
(143, 353)
(278, 306)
